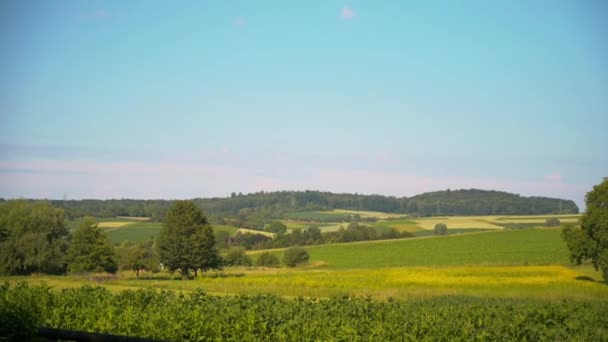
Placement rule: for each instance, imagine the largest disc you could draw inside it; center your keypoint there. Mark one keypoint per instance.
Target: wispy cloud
(239, 22)
(347, 13)
(554, 177)
(180, 179)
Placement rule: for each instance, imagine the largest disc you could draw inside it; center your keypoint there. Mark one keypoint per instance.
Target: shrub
(267, 259)
(236, 257)
(294, 256)
(440, 229)
(552, 222)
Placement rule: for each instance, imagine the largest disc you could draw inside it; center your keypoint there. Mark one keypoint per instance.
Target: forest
(255, 209)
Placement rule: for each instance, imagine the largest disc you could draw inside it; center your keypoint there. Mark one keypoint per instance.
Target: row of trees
(304, 237)
(257, 209)
(34, 239)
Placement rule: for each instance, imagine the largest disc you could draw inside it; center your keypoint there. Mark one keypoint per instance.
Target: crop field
(134, 232)
(539, 246)
(402, 225)
(112, 224)
(196, 316)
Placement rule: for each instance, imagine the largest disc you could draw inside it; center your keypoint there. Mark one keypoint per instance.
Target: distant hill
(258, 208)
(485, 202)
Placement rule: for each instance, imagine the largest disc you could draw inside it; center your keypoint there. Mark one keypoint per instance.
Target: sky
(158, 99)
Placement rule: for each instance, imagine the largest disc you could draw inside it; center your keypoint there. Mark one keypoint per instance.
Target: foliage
(267, 259)
(33, 238)
(257, 209)
(196, 316)
(186, 241)
(592, 242)
(236, 256)
(552, 222)
(138, 257)
(90, 250)
(294, 256)
(440, 229)
(276, 227)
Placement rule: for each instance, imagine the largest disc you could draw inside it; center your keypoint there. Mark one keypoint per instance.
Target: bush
(268, 259)
(440, 229)
(552, 222)
(294, 256)
(236, 257)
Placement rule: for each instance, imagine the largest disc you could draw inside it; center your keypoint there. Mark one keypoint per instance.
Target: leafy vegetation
(591, 240)
(33, 238)
(197, 316)
(187, 241)
(294, 256)
(440, 229)
(258, 209)
(90, 250)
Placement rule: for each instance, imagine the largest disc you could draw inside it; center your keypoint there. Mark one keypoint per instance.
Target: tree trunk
(184, 274)
(137, 273)
(195, 273)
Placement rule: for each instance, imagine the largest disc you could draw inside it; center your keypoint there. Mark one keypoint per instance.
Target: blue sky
(144, 99)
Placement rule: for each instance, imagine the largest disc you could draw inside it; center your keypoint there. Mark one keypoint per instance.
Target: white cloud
(347, 13)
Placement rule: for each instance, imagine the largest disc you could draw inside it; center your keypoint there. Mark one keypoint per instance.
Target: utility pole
(437, 207)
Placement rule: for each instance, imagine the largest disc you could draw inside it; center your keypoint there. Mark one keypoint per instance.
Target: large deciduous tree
(186, 241)
(90, 250)
(591, 240)
(33, 238)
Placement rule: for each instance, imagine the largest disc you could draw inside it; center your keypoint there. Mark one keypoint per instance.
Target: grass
(520, 264)
(498, 247)
(134, 232)
(399, 225)
(551, 282)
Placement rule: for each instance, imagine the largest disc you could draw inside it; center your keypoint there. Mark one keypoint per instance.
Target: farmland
(132, 229)
(490, 271)
(196, 316)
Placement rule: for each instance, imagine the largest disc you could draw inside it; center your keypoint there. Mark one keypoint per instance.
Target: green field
(502, 247)
(139, 231)
(529, 264)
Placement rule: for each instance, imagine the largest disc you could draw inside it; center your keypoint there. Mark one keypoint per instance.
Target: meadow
(528, 264)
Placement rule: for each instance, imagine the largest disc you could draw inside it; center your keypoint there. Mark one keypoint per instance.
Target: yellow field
(113, 224)
(456, 222)
(551, 282)
(134, 218)
(489, 222)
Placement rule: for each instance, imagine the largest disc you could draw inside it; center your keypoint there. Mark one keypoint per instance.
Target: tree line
(257, 209)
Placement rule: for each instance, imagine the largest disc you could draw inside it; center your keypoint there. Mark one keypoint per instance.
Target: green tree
(267, 259)
(276, 227)
(138, 257)
(552, 222)
(33, 238)
(90, 250)
(186, 241)
(440, 229)
(294, 256)
(236, 256)
(591, 240)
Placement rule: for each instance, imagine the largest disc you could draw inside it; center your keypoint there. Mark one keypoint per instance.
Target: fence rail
(52, 334)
